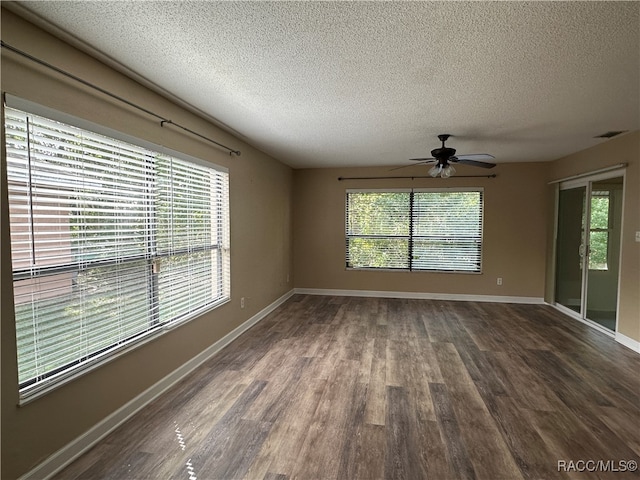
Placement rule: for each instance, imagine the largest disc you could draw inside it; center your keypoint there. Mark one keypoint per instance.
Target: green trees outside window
(600, 229)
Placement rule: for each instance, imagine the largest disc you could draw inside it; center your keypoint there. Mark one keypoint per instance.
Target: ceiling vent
(610, 134)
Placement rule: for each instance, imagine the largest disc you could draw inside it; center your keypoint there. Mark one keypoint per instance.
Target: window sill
(406, 270)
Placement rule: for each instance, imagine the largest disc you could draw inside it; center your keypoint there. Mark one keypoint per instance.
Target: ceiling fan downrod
(444, 137)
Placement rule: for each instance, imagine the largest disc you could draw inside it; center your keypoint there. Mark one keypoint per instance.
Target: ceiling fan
(444, 156)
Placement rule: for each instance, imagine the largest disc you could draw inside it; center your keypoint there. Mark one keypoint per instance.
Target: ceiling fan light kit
(442, 171)
(448, 171)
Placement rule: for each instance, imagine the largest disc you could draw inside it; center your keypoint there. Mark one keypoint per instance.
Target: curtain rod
(162, 119)
(414, 177)
(588, 174)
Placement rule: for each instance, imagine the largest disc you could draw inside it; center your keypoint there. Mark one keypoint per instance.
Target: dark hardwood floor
(348, 388)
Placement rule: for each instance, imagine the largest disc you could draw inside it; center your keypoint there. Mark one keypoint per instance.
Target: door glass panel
(570, 247)
(604, 251)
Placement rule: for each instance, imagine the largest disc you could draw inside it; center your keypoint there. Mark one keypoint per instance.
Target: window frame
(412, 236)
(54, 378)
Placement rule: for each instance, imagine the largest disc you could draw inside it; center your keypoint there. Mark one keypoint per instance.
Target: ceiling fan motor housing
(443, 154)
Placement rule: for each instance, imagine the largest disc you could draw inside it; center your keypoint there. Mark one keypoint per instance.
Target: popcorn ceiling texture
(326, 84)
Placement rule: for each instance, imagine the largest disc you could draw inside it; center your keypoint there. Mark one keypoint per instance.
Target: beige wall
(622, 149)
(515, 222)
(260, 190)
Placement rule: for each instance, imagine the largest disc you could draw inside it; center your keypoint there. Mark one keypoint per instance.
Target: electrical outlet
(499, 282)
(242, 302)
(637, 236)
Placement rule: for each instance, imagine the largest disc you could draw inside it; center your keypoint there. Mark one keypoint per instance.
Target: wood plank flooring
(366, 388)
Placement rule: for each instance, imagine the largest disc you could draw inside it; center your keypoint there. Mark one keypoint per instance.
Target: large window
(111, 242)
(436, 230)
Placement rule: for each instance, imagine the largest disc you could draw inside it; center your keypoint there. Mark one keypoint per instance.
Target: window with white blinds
(110, 242)
(419, 229)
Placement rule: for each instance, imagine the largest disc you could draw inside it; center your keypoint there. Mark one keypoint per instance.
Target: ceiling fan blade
(475, 156)
(474, 163)
(413, 164)
(421, 159)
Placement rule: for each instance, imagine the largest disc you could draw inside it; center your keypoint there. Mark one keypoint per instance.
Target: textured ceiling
(319, 84)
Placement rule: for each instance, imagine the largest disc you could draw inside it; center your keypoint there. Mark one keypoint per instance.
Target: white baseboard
(84, 442)
(420, 295)
(628, 342)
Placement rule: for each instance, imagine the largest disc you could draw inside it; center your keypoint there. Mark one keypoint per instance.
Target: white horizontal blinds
(73, 193)
(78, 209)
(378, 229)
(447, 230)
(109, 242)
(184, 200)
(437, 230)
(220, 224)
(66, 319)
(192, 238)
